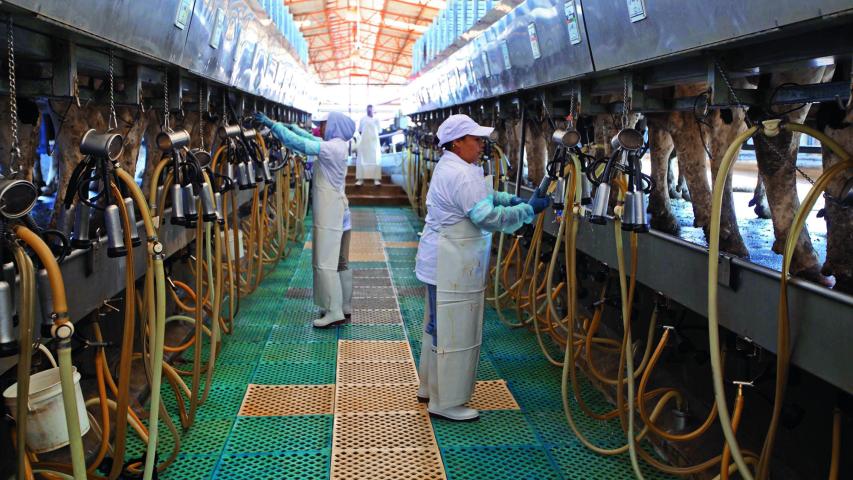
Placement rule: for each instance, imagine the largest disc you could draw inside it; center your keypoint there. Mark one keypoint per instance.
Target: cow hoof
(762, 211)
(734, 246)
(813, 274)
(666, 223)
(674, 193)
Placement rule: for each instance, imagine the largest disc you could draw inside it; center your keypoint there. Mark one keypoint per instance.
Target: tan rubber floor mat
(363, 316)
(398, 464)
(377, 398)
(376, 372)
(401, 244)
(492, 395)
(366, 256)
(280, 400)
(374, 351)
(359, 291)
(366, 431)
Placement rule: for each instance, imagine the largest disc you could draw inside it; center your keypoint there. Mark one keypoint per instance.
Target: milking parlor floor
(290, 401)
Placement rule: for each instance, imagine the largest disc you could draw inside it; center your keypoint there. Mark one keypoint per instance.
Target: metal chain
(742, 107)
(626, 103)
(572, 108)
(112, 123)
(166, 100)
(780, 155)
(224, 110)
(729, 86)
(15, 151)
(202, 108)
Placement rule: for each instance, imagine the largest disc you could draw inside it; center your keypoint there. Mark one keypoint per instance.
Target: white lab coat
(368, 165)
(455, 188)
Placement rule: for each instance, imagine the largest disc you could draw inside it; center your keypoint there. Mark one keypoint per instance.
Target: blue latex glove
(489, 216)
(506, 199)
(308, 166)
(264, 119)
(539, 202)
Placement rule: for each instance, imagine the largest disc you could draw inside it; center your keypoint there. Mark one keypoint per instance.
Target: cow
(837, 123)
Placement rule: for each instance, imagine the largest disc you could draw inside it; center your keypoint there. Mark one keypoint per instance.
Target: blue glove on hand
(308, 166)
(264, 119)
(515, 201)
(539, 202)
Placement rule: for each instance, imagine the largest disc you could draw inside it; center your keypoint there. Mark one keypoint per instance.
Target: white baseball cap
(457, 126)
(319, 117)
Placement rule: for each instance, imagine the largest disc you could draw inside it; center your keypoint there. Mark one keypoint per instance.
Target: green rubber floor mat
(284, 466)
(505, 463)
(187, 467)
(271, 435)
(275, 344)
(294, 373)
(494, 428)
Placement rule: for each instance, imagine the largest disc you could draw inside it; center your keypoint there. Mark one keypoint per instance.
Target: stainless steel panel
(671, 27)
(209, 51)
(510, 37)
(822, 335)
(145, 27)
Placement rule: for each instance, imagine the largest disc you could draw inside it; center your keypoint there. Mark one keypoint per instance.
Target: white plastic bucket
(46, 427)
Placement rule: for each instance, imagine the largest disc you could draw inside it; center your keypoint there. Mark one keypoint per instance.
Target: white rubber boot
(346, 289)
(424, 363)
(329, 295)
(359, 182)
(329, 319)
(459, 413)
(377, 183)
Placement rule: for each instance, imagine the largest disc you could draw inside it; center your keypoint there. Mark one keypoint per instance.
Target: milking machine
(628, 148)
(767, 128)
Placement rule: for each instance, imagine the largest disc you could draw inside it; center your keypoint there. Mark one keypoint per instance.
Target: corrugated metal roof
(370, 40)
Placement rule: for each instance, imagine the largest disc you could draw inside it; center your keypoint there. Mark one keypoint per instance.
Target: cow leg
(153, 153)
(691, 161)
(537, 151)
(839, 221)
(671, 181)
(138, 122)
(661, 147)
(29, 125)
(70, 127)
(722, 135)
(780, 181)
(682, 189)
(513, 137)
(776, 158)
(759, 200)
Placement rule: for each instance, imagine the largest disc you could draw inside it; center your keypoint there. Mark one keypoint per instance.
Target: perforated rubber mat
(289, 401)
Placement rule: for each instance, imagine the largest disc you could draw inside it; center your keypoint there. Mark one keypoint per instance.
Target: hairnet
(340, 126)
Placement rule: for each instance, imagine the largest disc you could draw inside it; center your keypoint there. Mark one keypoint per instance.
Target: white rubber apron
(367, 164)
(328, 205)
(463, 262)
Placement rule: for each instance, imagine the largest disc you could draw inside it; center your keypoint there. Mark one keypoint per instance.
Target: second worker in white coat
(453, 259)
(368, 163)
(331, 214)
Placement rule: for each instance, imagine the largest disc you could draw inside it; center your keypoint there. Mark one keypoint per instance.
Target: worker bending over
(453, 259)
(330, 234)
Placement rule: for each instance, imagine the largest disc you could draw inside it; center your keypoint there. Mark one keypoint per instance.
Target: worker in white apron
(453, 259)
(330, 234)
(368, 163)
